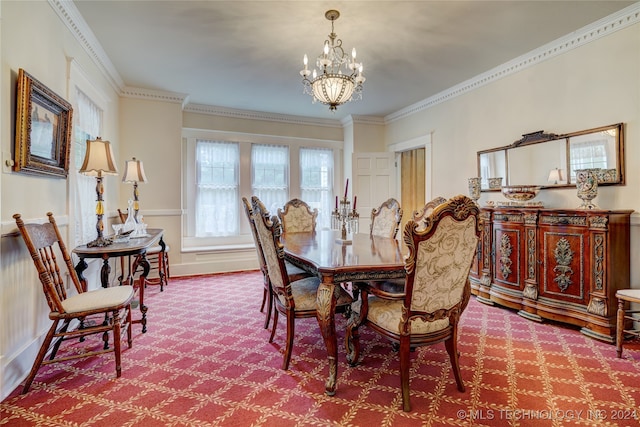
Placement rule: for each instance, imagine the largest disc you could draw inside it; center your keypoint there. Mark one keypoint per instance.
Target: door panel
(374, 179)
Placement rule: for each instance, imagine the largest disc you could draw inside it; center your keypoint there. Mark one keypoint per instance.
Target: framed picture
(43, 129)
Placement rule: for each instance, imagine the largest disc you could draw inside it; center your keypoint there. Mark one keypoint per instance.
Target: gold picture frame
(43, 129)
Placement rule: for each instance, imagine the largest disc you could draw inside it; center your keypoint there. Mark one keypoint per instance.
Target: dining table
(335, 260)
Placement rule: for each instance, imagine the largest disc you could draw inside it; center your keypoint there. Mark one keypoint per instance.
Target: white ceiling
(248, 54)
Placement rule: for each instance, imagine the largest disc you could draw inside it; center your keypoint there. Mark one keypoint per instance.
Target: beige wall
(43, 46)
(594, 85)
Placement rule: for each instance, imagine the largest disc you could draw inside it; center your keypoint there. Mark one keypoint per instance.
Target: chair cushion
(157, 248)
(386, 314)
(100, 298)
(305, 292)
(293, 270)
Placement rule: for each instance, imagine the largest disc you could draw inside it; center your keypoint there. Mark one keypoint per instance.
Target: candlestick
(336, 202)
(355, 200)
(346, 189)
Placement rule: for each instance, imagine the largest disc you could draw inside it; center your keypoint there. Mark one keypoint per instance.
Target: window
(587, 155)
(217, 205)
(270, 175)
(316, 182)
(222, 167)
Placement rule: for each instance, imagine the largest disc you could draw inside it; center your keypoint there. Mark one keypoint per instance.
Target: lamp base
(100, 242)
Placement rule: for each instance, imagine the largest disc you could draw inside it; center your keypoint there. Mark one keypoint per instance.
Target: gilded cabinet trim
(563, 256)
(505, 253)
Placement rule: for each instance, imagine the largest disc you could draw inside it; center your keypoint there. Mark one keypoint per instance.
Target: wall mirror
(549, 160)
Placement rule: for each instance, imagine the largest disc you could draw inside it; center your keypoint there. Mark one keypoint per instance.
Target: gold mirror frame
(529, 160)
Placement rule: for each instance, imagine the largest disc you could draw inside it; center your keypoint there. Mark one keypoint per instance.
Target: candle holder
(346, 220)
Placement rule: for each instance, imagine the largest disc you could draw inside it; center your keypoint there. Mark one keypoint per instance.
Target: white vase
(587, 185)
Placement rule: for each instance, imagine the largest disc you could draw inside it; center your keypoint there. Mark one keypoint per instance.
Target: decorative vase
(495, 183)
(474, 189)
(587, 185)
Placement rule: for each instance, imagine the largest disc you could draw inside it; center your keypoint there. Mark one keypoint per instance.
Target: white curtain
(217, 202)
(316, 182)
(587, 155)
(270, 175)
(88, 122)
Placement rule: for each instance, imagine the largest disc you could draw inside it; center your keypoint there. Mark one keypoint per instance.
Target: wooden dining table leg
(326, 306)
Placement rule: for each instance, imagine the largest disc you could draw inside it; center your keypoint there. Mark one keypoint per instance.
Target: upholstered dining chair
(297, 216)
(385, 219)
(294, 273)
(436, 292)
(295, 299)
(158, 258)
(109, 308)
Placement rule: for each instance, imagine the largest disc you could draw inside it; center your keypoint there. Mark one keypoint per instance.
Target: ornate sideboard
(562, 265)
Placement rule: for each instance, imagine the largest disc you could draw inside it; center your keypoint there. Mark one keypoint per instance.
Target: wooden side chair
(294, 299)
(297, 216)
(626, 318)
(294, 273)
(385, 220)
(158, 258)
(111, 307)
(436, 292)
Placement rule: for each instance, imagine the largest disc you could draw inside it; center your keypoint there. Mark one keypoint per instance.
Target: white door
(374, 181)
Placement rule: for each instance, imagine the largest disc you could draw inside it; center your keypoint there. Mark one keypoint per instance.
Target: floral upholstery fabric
(305, 291)
(442, 265)
(441, 272)
(386, 314)
(385, 219)
(270, 252)
(297, 219)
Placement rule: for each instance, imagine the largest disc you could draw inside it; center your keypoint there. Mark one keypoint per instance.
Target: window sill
(219, 248)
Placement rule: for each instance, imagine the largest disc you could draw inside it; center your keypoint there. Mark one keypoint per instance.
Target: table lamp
(555, 175)
(98, 161)
(134, 173)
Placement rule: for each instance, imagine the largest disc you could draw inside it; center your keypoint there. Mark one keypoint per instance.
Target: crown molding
(259, 115)
(71, 17)
(601, 28)
(362, 120)
(156, 95)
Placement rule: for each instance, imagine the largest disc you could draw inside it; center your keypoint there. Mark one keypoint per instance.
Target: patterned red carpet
(206, 361)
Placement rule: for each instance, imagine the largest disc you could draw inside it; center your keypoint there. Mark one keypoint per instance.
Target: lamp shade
(98, 159)
(134, 171)
(555, 175)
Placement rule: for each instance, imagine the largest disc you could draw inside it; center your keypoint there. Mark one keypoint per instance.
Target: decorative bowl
(520, 193)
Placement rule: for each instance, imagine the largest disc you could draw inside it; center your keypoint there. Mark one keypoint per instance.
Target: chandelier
(328, 84)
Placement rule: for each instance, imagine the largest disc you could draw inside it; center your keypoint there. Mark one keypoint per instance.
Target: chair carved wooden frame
(385, 219)
(111, 307)
(437, 289)
(421, 214)
(294, 273)
(297, 216)
(294, 299)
